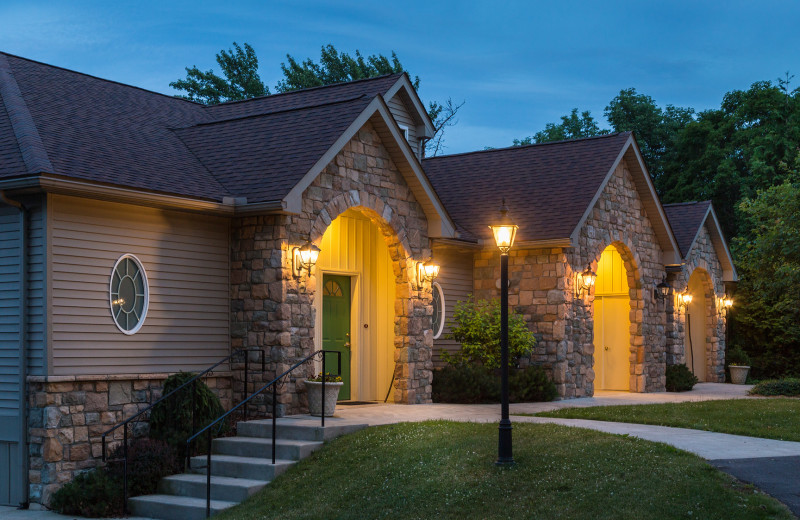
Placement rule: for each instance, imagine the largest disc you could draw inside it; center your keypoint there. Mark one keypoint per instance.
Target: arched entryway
(612, 337)
(696, 326)
(355, 304)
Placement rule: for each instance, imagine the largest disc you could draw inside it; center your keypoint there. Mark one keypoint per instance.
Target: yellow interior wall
(352, 245)
(612, 323)
(696, 358)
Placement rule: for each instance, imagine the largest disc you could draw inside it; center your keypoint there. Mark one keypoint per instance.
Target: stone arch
(636, 302)
(710, 319)
(413, 329)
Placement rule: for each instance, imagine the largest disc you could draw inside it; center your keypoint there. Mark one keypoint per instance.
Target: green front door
(336, 326)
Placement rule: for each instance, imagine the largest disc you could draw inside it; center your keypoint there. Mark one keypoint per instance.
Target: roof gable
(687, 220)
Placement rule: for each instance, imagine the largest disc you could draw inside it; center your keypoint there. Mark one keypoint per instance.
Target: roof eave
(729, 273)
(404, 82)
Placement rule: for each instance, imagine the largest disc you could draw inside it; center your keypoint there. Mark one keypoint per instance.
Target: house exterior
(142, 234)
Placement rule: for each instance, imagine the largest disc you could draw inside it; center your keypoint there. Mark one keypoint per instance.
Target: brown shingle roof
(547, 187)
(685, 219)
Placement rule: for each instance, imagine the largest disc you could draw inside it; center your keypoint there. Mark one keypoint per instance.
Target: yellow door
(612, 323)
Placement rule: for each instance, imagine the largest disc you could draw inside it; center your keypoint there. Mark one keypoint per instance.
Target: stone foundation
(68, 415)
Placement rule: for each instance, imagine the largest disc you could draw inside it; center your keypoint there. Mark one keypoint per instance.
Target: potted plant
(314, 388)
(738, 365)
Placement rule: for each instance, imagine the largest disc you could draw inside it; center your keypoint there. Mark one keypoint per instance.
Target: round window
(438, 310)
(129, 294)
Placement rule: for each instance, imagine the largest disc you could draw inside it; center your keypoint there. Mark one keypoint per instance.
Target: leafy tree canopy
(572, 126)
(240, 80)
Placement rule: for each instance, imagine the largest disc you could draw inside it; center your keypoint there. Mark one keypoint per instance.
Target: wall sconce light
(662, 290)
(724, 303)
(304, 257)
(584, 281)
(504, 230)
(427, 271)
(684, 299)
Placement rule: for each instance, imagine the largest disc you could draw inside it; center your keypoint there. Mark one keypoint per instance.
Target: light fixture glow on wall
(584, 281)
(724, 303)
(505, 231)
(684, 299)
(662, 290)
(304, 257)
(427, 271)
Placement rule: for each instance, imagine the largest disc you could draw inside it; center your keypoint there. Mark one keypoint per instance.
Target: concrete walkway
(768, 464)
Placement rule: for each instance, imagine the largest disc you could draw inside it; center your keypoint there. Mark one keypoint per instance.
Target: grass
(446, 470)
(767, 418)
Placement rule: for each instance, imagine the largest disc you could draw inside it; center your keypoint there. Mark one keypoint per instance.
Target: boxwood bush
(788, 387)
(94, 493)
(470, 384)
(680, 378)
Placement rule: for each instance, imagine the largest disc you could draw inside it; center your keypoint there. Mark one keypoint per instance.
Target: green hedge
(470, 384)
(680, 378)
(788, 387)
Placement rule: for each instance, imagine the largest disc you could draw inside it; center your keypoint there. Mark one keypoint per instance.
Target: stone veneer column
(271, 309)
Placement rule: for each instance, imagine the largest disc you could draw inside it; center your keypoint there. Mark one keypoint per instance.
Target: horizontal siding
(186, 260)
(37, 271)
(10, 315)
(402, 116)
(455, 279)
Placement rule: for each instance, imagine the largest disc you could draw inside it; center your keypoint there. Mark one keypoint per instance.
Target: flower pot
(738, 374)
(314, 389)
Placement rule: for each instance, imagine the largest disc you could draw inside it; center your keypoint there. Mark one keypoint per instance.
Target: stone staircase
(240, 466)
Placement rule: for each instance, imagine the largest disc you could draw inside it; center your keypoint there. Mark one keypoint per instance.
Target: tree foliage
(572, 126)
(241, 80)
(476, 325)
(767, 313)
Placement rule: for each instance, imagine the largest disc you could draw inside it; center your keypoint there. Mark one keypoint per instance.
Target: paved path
(773, 466)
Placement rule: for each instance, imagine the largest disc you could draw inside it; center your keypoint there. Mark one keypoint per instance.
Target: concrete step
(222, 488)
(303, 428)
(241, 467)
(262, 448)
(170, 507)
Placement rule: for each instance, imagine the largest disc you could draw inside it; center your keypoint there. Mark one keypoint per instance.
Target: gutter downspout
(23, 344)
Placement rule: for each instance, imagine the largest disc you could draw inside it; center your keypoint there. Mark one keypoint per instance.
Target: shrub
(736, 356)
(680, 378)
(93, 494)
(171, 420)
(788, 387)
(476, 325)
(469, 384)
(148, 462)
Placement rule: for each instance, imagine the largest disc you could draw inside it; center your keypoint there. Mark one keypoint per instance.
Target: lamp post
(504, 232)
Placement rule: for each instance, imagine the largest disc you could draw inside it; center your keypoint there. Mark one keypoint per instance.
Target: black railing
(193, 381)
(274, 384)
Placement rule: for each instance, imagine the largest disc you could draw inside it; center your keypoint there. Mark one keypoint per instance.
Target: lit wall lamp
(504, 230)
(662, 290)
(684, 299)
(725, 303)
(427, 271)
(304, 257)
(584, 281)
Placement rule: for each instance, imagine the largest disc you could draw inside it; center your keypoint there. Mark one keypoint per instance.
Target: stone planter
(314, 390)
(738, 374)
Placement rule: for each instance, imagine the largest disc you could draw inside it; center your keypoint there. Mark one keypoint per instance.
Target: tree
(766, 320)
(337, 67)
(571, 127)
(241, 81)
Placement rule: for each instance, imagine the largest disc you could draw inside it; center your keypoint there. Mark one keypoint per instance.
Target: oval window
(129, 294)
(438, 310)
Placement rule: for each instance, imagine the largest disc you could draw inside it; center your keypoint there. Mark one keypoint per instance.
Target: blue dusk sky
(518, 65)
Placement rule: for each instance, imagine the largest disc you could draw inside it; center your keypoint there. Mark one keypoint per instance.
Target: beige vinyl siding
(403, 117)
(455, 278)
(186, 260)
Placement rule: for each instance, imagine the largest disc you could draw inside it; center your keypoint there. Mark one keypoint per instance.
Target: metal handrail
(193, 382)
(274, 384)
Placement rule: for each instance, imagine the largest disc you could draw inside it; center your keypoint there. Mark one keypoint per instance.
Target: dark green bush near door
(680, 378)
(470, 384)
(93, 494)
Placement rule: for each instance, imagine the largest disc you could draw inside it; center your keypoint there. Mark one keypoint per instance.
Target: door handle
(606, 348)
(347, 345)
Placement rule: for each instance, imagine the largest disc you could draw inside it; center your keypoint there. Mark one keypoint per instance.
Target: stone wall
(272, 309)
(704, 261)
(68, 415)
(542, 285)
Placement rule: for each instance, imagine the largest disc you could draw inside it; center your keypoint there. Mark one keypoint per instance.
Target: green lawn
(446, 470)
(767, 418)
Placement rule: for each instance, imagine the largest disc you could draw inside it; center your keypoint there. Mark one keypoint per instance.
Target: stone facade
(273, 310)
(68, 415)
(703, 260)
(542, 288)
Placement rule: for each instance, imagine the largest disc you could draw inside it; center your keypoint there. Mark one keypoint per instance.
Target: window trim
(406, 131)
(146, 306)
(438, 288)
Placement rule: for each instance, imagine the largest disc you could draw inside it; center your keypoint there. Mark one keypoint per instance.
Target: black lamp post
(504, 232)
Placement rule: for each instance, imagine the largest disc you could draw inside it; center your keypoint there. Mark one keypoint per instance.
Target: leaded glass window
(438, 310)
(129, 294)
